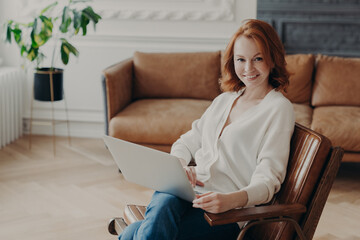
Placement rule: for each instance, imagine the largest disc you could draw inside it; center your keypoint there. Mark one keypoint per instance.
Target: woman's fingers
(203, 198)
(191, 174)
(190, 177)
(199, 183)
(205, 202)
(204, 194)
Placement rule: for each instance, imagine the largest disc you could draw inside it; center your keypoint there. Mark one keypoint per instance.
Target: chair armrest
(252, 213)
(118, 80)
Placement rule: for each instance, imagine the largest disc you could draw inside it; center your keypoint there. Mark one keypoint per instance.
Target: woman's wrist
(239, 199)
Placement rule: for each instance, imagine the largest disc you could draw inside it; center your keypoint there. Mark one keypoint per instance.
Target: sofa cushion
(156, 121)
(303, 114)
(340, 124)
(337, 81)
(177, 75)
(301, 67)
(351, 157)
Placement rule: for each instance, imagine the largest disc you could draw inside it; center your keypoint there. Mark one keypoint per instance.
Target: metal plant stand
(53, 122)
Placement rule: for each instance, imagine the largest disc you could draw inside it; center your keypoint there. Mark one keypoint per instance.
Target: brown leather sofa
(152, 98)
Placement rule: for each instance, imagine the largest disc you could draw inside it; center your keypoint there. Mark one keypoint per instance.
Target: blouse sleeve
(272, 158)
(190, 142)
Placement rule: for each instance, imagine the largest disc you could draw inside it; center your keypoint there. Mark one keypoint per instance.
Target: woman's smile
(251, 77)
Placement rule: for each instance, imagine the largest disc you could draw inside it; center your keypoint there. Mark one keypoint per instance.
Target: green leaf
(91, 14)
(8, 33)
(39, 58)
(22, 50)
(84, 22)
(33, 34)
(66, 20)
(32, 54)
(65, 49)
(64, 55)
(77, 21)
(42, 31)
(88, 14)
(48, 25)
(17, 35)
(48, 7)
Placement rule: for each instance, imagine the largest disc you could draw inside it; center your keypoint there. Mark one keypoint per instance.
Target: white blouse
(252, 152)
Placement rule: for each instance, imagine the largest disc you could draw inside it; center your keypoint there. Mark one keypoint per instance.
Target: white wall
(7, 52)
(127, 26)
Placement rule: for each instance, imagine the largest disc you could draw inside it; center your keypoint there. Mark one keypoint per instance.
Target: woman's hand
(214, 202)
(191, 174)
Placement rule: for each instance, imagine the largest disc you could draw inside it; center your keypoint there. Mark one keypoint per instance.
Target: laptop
(151, 168)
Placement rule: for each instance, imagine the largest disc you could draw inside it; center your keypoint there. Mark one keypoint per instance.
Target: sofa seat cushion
(156, 121)
(340, 124)
(351, 157)
(303, 114)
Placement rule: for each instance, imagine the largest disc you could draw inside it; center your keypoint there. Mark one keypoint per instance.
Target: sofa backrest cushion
(301, 68)
(176, 75)
(337, 81)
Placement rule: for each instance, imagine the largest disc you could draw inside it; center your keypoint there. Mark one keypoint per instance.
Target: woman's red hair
(272, 49)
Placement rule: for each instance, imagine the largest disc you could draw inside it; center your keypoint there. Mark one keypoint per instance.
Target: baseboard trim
(77, 128)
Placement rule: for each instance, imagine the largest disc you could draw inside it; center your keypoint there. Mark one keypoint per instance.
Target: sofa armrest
(118, 84)
(253, 213)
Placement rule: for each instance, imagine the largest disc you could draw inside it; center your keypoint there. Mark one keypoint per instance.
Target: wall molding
(215, 10)
(75, 115)
(77, 129)
(160, 10)
(83, 123)
(101, 38)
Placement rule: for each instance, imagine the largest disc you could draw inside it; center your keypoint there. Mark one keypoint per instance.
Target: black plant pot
(42, 84)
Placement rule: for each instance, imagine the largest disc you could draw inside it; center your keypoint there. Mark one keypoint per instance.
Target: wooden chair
(312, 168)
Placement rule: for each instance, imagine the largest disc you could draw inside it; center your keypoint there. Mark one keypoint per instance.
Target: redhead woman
(240, 144)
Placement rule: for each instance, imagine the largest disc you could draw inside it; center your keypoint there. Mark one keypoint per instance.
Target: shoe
(116, 226)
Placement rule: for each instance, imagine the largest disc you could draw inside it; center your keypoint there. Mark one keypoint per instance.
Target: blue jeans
(168, 217)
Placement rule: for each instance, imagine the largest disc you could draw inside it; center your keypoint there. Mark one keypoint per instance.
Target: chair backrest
(312, 168)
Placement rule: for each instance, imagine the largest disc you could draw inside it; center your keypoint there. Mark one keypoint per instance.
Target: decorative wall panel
(329, 27)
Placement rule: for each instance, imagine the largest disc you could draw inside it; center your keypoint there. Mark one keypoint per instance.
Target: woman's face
(249, 63)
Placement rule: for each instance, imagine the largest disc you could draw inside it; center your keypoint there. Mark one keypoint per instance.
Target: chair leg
(116, 226)
(250, 224)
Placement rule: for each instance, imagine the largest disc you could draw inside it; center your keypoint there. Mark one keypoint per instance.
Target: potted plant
(58, 23)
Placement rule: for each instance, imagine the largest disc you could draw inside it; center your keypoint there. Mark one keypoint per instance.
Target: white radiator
(11, 101)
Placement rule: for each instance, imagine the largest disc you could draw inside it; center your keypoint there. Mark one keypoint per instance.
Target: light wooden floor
(73, 195)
